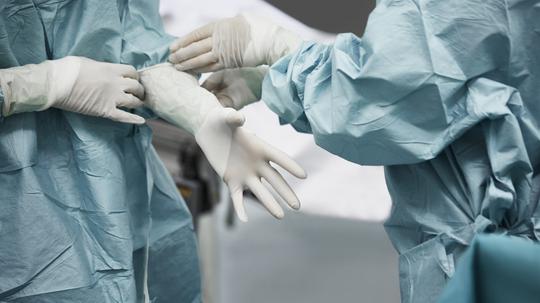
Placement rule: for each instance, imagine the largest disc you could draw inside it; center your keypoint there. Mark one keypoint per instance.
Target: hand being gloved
(237, 87)
(239, 157)
(242, 41)
(74, 84)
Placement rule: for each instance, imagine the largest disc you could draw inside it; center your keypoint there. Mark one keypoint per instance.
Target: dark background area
(335, 16)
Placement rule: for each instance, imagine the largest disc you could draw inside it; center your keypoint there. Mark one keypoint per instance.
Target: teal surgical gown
(88, 212)
(445, 95)
(496, 269)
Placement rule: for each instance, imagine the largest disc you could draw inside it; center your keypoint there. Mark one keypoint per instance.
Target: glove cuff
(25, 88)
(214, 138)
(63, 73)
(286, 43)
(269, 41)
(36, 87)
(177, 97)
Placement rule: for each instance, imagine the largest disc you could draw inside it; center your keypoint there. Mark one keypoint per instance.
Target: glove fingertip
(235, 118)
(279, 214)
(302, 174)
(175, 45)
(296, 170)
(242, 217)
(180, 67)
(238, 203)
(126, 117)
(139, 120)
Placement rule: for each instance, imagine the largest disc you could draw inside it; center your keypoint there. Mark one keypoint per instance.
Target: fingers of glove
(282, 159)
(197, 62)
(134, 87)
(127, 71)
(234, 119)
(214, 81)
(225, 100)
(237, 196)
(196, 35)
(191, 51)
(266, 198)
(129, 101)
(276, 180)
(125, 117)
(213, 67)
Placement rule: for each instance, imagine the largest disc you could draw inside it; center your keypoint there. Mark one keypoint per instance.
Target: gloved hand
(74, 84)
(239, 157)
(237, 87)
(242, 41)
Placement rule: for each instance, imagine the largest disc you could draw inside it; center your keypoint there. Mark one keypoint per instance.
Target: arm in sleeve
(402, 93)
(145, 42)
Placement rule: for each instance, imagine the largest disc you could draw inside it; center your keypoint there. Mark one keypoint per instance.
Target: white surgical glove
(237, 87)
(239, 157)
(74, 84)
(242, 41)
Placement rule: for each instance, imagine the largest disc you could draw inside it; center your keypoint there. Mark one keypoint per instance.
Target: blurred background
(335, 249)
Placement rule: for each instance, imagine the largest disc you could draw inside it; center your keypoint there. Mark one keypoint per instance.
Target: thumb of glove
(233, 118)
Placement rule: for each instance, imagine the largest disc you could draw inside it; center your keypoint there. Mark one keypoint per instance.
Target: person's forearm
(398, 95)
(181, 102)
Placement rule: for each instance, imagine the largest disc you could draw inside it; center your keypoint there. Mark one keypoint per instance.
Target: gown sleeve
(145, 42)
(402, 92)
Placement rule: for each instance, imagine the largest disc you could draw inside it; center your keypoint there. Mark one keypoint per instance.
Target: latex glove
(74, 84)
(239, 157)
(237, 87)
(242, 41)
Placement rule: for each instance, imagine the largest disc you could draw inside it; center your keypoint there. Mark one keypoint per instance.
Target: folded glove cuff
(216, 148)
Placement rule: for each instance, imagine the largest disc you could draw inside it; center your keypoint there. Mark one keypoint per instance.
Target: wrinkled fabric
(445, 95)
(496, 269)
(88, 213)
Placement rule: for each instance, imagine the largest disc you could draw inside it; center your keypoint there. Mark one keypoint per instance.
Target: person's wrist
(214, 137)
(208, 106)
(257, 79)
(253, 78)
(36, 87)
(5, 101)
(285, 43)
(63, 74)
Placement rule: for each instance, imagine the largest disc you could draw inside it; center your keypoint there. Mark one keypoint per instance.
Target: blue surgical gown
(496, 269)
(88, 212)
(445, 95)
